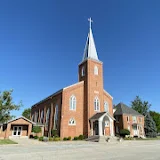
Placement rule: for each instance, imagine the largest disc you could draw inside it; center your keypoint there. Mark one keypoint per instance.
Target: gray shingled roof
(124, 109)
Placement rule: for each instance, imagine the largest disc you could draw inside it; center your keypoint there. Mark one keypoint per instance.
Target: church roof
(90, 51)
(97, 115)
(124, 109)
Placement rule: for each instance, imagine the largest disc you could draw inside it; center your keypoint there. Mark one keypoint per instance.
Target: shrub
(81, 137)
(31, 136)
(54, 132)
(36, 129)
(50, 138)
(56, 136)
(56, 139)
(65, 138)
(124, 132)
(69, 138)
(45, 139)
(75, 138)
(128, 138)
(41, 138)
(35, 137)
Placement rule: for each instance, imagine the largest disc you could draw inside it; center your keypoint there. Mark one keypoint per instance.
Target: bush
(56, 139)
(56, 136)
(35, 137)
(36, 129)
(69, 138)
(81, 137)
(50, 138)
(124, 132)
(45, 139)
(54, 133)
(31, 136)
(65, 138)
(75, 138)
(128, 138)
(40, 138)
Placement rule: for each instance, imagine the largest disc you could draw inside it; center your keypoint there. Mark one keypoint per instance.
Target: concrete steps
(103, 139)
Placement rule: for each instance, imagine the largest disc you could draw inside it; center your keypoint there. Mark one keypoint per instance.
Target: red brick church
(81, 108)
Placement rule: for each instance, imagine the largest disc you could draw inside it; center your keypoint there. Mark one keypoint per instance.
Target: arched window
(83, 72)
(106, 106)
(95, 70)
(96, 104)
(106, 123)
(72, 121)
(42, 116)
(72, 103)
(56, 117)
(47, 116)
(35, 117)
(32, 117)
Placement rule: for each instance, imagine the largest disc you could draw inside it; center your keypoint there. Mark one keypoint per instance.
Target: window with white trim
(106, 123)
(72, 122)
(134, 118)
(56, 117)
(127, 118)
(106, 106)
(83, 72)
(47, 116)
(140, 119)
(72, 103)
(35, 117)
(42, 116)
(96, 104)
(129, 127)
(95, 70)
(32, 117)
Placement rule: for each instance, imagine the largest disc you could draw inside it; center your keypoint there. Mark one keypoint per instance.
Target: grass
(157, 138)
(7, 141)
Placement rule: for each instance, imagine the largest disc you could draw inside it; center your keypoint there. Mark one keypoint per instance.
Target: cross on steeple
(90, 48)
(90, 22)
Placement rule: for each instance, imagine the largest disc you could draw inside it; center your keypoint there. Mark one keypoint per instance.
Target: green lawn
(6, 141)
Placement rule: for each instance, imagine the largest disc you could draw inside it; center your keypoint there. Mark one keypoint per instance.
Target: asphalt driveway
(128, 150)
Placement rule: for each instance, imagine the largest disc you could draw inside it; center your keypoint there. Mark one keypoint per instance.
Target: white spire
(90, 49)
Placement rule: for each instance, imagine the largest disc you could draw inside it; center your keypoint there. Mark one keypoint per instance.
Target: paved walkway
(128, 150)
(26, 141)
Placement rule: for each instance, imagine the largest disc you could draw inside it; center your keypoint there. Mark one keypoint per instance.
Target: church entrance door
(96, 128)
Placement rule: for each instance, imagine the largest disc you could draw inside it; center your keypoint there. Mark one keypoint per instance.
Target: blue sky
(42, 43)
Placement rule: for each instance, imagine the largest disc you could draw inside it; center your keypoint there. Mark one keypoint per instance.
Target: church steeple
(90, 48)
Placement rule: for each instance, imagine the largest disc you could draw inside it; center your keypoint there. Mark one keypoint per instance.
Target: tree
(7, 105)
(140, 106)
(156, 118)
(143, 108)
(150, 126)
(36, 129)
(26, 113)
(124, 132)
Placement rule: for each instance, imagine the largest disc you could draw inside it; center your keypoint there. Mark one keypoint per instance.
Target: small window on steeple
(95, 70)
(83, 72)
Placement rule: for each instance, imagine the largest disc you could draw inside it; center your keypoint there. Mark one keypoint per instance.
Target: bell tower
(91, 72)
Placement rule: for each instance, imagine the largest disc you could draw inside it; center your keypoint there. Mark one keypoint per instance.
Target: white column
(100, 128)
(111, 128)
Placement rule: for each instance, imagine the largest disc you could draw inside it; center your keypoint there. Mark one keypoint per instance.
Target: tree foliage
(26, 113)
(140, 106)
(156, 118)
(124, 132)
(143, 108)
(150, 126)
(7, 105)
(36, 129)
